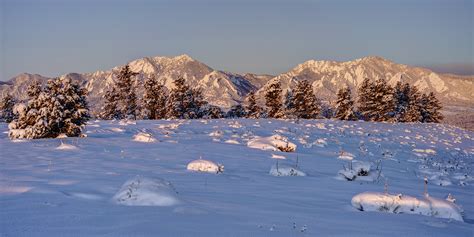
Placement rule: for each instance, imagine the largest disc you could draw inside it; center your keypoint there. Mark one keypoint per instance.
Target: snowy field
(137, 179)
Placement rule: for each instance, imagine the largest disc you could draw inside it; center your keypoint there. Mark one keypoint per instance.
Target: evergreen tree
(60, 108)
(252, 110)
(273, 101)
(154, 99)
(430, 109)
(327, 111)
(34, 89)
(194, 104)
(289, 105)
(212, 112)
(185, 102)
(27, 113)
(382, 101)
(365, 95)
(344, 105)
(376, 100)
(413, 113)
(401, 97)
(68, 110)
(110, 109)
(176, 100)
(127, 98)
(236, 111)
(6, 108)
(305, 103)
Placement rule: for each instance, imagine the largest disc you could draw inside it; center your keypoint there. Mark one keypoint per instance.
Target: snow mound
(143, 137)
(65, 146)
(284, 170)
(344, 155)
(320, 142)
(428, 206)
(348, 174)
(232, 141)
(216, 133)
(117, 130)
(205, 166)
(140, 191)
(272, 143)
(275, 156)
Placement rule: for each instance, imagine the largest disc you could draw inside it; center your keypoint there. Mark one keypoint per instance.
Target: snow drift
(140, 191)
(284, 170)
(205, 166)
(65, 146)
(272, 143)
(428, 206)
(144, 137)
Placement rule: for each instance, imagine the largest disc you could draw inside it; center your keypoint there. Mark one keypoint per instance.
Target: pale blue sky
(52, 37)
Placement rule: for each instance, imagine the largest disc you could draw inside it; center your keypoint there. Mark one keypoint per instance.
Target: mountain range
(225, 89)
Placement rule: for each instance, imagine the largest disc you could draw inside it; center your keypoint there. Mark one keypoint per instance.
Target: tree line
(60, 107)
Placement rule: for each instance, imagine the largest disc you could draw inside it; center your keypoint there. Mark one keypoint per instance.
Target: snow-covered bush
(284, 170)
(355, 169)
(205, 166)
(272, 143)
(428, 206)
(141, 191)
(348, 174)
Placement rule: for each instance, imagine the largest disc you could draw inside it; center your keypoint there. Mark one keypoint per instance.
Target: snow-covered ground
(131, 179)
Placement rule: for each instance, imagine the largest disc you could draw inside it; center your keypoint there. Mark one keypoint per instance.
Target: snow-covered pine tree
(6, 108)
(75, 107)
(61, 108)
(327, 111)
(110, 107)
(176, 99)
(413, 113)
(127, 104)
(273, 101)
(430, 109)
(26, 113)
(345, 105)
(34, 89)
(305, 103)
(154, 99)
(252, 110)
(212, 112)
(401, 97)
(289, 105)
(383, 101)
(194, 103)
(185, 102)
(365, 95)
(65, 111)
(236, 111)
